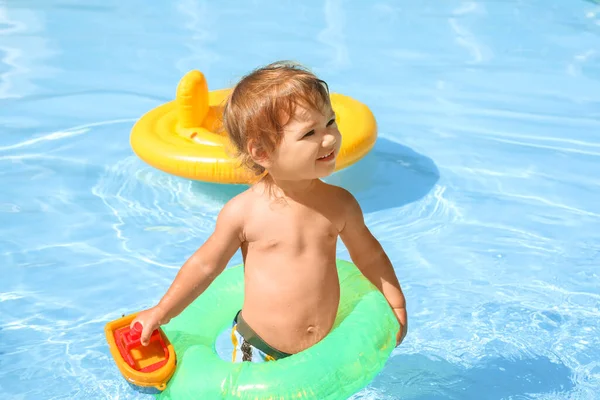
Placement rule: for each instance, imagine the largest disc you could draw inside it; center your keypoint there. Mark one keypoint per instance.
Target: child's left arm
(370, 258)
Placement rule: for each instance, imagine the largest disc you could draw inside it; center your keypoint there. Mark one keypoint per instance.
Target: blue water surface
(483, 186)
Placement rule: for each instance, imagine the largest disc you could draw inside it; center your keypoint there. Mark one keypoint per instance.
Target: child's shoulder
(237, 207)
(239, 202)
(338, 192)
(340, 197)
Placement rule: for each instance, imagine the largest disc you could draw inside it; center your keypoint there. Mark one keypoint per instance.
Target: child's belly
(291, 303)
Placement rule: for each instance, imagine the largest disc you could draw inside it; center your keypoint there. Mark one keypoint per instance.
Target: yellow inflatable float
(183, 137)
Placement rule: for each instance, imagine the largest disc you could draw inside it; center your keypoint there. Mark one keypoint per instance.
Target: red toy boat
(144, 366)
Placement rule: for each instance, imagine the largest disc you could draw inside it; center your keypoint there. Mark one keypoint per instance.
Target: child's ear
(258, 154)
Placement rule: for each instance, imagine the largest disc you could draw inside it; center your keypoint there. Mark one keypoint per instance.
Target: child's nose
(329, 140)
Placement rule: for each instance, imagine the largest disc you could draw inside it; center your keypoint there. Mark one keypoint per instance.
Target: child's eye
(310, 133)
(331, 122)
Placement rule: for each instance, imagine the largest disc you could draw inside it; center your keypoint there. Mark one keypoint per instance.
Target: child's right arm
(198, 272)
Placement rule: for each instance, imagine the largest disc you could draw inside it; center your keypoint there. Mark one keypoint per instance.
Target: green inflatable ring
(345, 361)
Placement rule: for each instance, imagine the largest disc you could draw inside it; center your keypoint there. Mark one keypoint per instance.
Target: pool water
(483, 187)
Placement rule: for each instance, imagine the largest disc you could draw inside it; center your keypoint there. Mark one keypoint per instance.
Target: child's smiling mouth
(327, 157)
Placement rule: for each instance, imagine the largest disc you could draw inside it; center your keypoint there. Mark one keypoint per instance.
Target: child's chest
(293, 223)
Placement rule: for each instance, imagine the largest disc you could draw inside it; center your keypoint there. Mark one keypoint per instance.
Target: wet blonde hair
(262, 103)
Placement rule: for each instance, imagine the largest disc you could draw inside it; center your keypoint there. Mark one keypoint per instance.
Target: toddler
(280, 120)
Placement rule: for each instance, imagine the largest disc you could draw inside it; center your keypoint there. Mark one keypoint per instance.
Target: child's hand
(150, 319)
(402, 319)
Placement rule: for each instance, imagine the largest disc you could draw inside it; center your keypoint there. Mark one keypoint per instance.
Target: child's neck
(293, 188)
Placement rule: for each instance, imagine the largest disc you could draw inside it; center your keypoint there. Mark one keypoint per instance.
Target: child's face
(309, 147)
